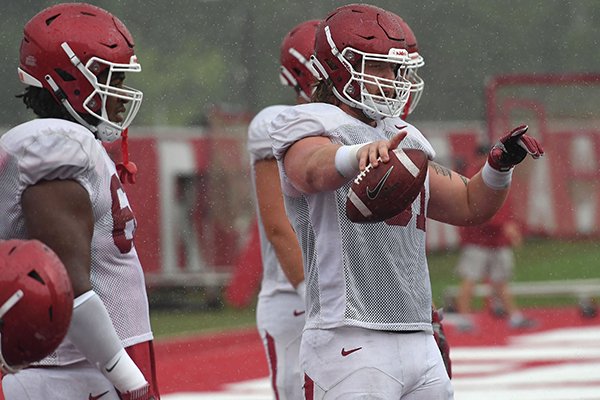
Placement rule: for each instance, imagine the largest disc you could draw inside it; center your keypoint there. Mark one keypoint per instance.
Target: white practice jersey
(260, 148)
(367, 275)
(50, 149)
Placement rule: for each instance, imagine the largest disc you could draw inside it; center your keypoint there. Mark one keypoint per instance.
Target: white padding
(92, 332)
(495, 179)
(346, 162)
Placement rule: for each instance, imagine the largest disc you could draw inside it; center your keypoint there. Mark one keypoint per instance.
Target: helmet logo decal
(31, 61)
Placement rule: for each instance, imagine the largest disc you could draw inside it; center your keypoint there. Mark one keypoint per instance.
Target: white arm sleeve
(91, 330)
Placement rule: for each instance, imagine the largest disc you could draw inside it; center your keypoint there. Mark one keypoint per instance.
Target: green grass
(536, 260)
(172, 323)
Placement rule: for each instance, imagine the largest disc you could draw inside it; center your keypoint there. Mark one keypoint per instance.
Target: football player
(280, 309)
(368, 331)
(36, 303)
(59, 186)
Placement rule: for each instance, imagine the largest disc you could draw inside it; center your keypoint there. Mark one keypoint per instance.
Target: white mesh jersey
(373, 276)
(259, 147)
(49, 149)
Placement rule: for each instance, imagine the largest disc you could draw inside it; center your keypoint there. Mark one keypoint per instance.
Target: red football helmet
(415, 62)
(36, 303)
(352, 36)
(66, 48)
(296, 49)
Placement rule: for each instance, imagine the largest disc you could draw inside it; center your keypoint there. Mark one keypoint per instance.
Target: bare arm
(59, 214)
(310, 162)
(275, 222)
(460, 201)
(457, 200)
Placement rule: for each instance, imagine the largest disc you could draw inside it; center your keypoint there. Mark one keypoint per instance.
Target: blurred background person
(487, 255)
(280, 309)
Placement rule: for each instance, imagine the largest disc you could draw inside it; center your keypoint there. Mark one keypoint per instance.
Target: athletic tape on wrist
(346, 162)
(495, 179)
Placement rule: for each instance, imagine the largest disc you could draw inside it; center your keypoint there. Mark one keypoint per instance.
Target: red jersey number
(405, 216)
(123, 218)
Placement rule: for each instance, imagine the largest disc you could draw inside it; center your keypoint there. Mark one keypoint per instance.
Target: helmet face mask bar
(376, 105)
(132, 98)
(417, 83)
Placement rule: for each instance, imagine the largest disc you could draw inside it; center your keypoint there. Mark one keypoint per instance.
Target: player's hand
(512, 148)
(376, 152)
(143, 393)
(440, 339)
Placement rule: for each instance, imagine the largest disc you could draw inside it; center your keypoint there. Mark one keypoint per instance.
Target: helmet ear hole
(34, 275)
(64, 75)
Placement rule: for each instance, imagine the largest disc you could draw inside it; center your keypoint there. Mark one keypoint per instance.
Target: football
(377, 194)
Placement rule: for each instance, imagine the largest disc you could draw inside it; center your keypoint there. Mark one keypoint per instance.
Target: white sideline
(580, 288)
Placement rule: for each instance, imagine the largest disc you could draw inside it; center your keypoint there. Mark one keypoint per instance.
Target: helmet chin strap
(63, 100)
(103, 130)
(375, 116)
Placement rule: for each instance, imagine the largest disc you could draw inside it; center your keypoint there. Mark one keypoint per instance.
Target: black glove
(512, 148)
(440, 339)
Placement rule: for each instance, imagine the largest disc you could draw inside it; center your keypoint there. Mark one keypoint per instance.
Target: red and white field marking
(559, 360)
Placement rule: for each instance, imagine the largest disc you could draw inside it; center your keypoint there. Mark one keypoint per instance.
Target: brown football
(380, 193)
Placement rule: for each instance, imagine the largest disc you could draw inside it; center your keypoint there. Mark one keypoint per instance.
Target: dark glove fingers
(531, 145)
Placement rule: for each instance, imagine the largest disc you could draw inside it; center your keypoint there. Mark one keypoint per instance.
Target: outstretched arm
(459, 201)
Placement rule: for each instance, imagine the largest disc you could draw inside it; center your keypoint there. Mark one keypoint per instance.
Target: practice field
(559, 359)
(537, 260)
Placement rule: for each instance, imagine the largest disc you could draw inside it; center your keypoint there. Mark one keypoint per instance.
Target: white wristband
(301, 290)
(495, 179)
(346, 162)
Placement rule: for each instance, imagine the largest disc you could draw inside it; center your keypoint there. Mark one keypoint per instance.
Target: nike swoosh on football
(97, 397)
(298, 313)
(113, 366)
(348, 352)
(372, 194)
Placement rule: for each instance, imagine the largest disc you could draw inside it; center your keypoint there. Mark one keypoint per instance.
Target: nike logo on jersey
(298, 313)
(372, 194)
(97, 397)
(348, 352)
(109, 369)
